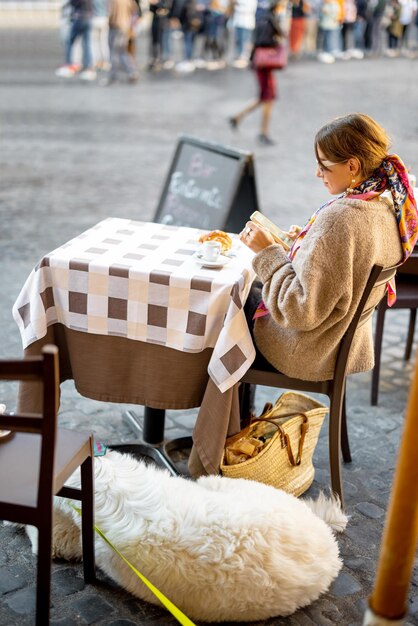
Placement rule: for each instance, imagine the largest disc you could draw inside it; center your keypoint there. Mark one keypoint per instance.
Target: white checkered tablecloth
(141, 280)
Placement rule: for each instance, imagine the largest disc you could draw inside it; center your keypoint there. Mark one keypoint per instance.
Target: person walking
(122, 13)
(269, 32)
(81, 21)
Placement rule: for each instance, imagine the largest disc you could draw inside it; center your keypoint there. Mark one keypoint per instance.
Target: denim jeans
(80, 27)
(166, 42)
(119, 55)
(188, 37)
(330, 40)
(242, 37)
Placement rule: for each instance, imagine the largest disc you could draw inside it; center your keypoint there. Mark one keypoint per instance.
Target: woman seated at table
(308, 296)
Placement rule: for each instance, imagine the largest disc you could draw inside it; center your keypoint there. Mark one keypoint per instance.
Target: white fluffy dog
(221, 549)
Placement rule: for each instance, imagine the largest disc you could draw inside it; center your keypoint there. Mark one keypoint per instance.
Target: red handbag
(274, 58)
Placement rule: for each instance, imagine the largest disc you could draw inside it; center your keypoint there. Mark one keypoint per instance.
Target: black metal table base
(152, 445)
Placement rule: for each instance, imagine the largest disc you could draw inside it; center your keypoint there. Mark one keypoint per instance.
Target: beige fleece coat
(121, 14)
(312, 299)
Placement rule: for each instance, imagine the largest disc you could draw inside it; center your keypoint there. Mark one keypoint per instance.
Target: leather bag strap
(284, 437)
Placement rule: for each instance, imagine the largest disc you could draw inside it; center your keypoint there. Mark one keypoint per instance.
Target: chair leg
(345, 444)
(334, 443)
(87, 519)
(410, 337)
(246, 395)
(381, 310)
(43, 584)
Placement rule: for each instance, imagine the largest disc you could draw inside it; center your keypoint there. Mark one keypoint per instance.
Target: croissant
(218, 235)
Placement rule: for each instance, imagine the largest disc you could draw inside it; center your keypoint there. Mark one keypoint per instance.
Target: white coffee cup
(211, 251)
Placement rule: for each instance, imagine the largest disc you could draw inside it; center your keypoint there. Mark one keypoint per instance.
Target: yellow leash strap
(179, 615)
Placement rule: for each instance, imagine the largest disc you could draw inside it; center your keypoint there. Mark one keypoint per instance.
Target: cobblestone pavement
(72, 154)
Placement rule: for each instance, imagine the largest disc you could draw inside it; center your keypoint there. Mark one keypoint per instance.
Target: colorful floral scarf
(391, 175)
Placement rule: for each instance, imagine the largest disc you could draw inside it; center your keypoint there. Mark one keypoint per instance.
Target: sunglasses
(325, 165)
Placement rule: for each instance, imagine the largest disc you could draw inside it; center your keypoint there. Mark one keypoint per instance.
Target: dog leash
(170, 606)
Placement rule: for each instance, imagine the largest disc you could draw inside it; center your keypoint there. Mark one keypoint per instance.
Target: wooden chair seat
(23, 454)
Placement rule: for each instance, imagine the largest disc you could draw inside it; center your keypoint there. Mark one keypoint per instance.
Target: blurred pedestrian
(81, 20)
(406, 18)
(100, 35)
(122, 14)
(269, 31)
(329, 30)
(64, 31)
(160, 10)
(369, 22)
(394, 28)
(243, 22)
(347, 31)
(311, 28)
(190, 18)
(297, 26)
(216, 32)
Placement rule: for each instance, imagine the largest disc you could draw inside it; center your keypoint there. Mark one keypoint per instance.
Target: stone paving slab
(72, 154)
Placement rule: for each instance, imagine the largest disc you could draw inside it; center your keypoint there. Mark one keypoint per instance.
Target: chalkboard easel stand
(208, 186)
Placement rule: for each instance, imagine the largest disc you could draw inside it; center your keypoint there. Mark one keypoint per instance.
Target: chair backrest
(44, 369)
(379, 277)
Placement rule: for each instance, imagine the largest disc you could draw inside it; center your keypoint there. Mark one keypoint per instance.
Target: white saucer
(5, 434)
(220, 261)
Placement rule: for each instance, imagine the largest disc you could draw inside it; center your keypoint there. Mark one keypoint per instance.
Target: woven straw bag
(286, 460)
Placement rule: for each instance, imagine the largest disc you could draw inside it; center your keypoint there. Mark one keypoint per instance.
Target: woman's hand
(255, 237)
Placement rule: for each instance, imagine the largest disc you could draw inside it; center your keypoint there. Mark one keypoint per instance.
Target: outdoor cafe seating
(128, 302)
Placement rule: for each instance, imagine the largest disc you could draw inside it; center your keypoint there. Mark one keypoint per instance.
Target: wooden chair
(406, 298)
(334, 388)
(35, 462)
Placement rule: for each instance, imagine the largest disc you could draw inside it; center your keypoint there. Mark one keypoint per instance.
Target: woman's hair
(355, 135)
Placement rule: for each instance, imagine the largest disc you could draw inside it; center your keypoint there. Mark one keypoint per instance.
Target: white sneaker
(168, 64)
(88, 75)
(185, 66)
(216, 65)
(212, 65)
(200, 63)
(66, 71)
(326, 57)
(240, 63)
(357, 54)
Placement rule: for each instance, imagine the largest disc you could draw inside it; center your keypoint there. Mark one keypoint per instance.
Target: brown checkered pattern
(140, 280)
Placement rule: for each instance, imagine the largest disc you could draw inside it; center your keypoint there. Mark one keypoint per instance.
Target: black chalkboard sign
(208, 186)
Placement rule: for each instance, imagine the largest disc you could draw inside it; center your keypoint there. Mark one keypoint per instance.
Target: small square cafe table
(138, 319)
